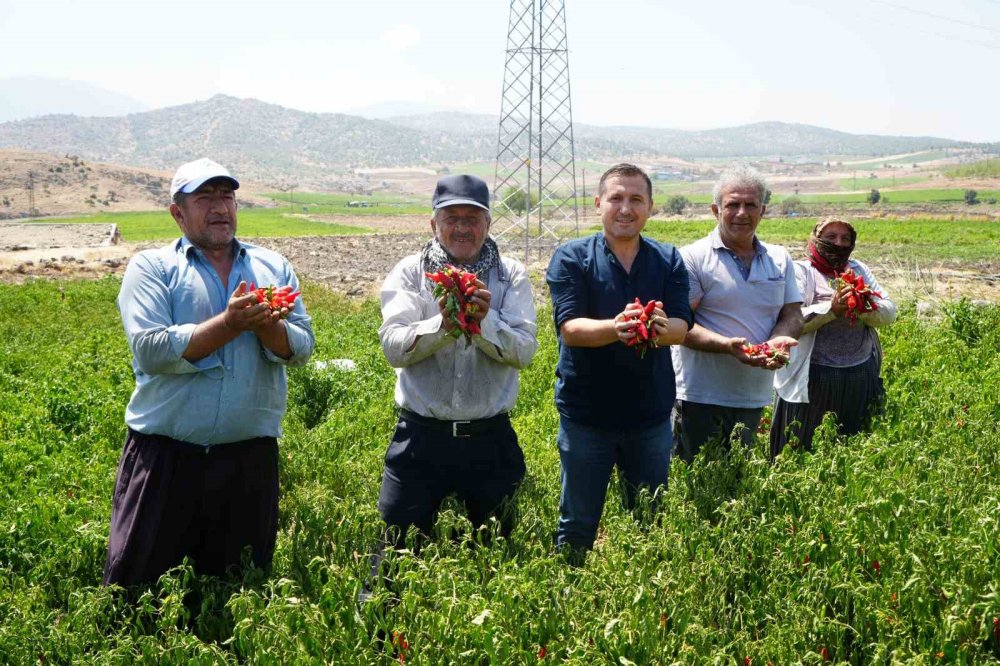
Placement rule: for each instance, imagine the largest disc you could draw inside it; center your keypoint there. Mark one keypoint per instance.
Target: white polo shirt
(732, 305)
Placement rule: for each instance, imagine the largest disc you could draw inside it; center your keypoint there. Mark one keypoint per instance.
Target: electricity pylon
(534, 191)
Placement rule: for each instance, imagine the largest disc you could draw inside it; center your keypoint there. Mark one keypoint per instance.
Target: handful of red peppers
(277, 298)
(645, 337)
(458, 286)
(861, 299)
(781, 356)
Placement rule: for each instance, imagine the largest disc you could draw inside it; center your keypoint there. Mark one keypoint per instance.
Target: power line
(938, 17)
(879, 17)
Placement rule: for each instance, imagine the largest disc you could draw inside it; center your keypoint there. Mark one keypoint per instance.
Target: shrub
(676, 204)
(513, 199)
(790, 205)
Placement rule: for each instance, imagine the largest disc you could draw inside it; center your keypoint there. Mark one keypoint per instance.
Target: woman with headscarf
(837, 364)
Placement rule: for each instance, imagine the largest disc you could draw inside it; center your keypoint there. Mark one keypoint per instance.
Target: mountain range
(29, 96)
(273, 144)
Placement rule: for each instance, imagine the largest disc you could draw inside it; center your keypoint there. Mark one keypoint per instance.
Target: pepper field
(881, 549)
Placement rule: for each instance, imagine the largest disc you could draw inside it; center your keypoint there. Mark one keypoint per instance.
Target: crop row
(879, 549)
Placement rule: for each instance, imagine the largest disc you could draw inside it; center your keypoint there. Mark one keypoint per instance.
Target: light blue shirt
(732, 303)
(238, 391)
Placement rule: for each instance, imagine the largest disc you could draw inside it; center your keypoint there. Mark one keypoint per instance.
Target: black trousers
(427, 460)
(174, 499)
(853, 394)
(695, 423)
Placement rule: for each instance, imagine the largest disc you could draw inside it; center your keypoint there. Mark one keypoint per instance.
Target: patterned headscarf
(434, 257)
(828, 258)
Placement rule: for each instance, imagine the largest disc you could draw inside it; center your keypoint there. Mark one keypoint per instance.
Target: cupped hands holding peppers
(769, 355)
(463, 299)
(252, 308)
(641, 326)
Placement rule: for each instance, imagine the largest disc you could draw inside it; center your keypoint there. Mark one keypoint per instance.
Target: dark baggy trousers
(174, 499)
(427, 460)
(853, 394)
(695, 423)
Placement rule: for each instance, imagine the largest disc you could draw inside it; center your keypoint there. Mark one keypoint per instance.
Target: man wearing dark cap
(454, 434)
(198, 477)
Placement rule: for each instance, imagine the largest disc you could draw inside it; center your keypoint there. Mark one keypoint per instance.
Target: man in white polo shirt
(742, 291)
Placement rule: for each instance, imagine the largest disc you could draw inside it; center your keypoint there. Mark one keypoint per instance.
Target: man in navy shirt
(614, 406)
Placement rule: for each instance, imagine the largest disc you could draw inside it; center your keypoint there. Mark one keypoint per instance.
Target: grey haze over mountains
(271, 144)
(30, 96)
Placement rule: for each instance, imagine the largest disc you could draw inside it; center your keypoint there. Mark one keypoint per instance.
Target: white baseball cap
(191, 176)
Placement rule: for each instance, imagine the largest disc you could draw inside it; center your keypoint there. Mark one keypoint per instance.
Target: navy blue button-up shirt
(610, 386)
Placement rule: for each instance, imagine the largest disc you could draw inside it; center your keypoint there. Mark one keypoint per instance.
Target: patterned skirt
(853, 394)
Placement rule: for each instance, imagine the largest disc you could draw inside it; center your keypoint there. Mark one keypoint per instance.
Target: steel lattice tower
(534, 192)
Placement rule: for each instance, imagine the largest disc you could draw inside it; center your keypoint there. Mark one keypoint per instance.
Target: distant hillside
(69, 184)
(31, 96)
(756, 140)
(262, 142)
(270, 144)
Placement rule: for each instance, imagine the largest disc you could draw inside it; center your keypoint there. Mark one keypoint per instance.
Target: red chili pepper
(644, 338)
(276, 298)
(764, 349)
(861, 298)
(458, 286)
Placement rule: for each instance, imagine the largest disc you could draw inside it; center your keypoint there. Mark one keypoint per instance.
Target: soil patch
(356, 265)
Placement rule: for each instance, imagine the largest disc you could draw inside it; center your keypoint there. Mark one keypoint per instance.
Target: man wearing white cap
(198, 476)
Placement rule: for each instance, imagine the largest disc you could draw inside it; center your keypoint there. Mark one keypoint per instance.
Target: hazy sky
(914, 67)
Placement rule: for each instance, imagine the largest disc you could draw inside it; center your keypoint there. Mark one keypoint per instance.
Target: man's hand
(785, 344)
(781, 343)
(447, 323)
(625, 322)
(737, 347)
(272, 318)
(658, 321)
(243, 312)
(481, 299)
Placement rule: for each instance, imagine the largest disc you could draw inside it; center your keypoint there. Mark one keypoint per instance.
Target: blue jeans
(588, 454)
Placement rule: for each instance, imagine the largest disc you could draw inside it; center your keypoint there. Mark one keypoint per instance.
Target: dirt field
(353, 265)
(356, 265)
